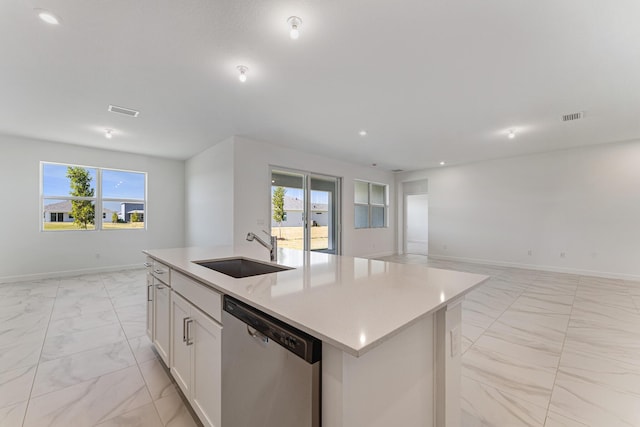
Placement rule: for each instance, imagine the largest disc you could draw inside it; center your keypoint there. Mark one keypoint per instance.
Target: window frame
(370, 205)
(97, 199)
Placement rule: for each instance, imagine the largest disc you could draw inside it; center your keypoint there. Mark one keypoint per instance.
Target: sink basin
(241, 267)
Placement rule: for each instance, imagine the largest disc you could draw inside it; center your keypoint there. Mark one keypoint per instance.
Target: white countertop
(351, 303)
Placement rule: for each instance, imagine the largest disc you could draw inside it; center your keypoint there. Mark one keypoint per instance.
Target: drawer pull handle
(184, 329)
(189, 340)
(147, 264)
(159, 271)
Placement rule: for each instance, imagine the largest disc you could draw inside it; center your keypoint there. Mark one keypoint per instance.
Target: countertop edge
(356, 352)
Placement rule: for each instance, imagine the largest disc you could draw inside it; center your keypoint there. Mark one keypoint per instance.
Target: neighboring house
(58, 212)
(61, 212)
(127, 209)
(293, 207)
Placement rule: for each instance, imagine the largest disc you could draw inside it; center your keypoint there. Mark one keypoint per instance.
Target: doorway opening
(416, 229)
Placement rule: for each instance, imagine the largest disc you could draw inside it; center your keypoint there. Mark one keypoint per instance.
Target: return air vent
(573, 116)
(121, 110)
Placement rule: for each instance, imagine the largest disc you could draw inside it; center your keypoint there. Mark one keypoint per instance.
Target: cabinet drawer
(203, 297)
(162, 272)
(148, 263)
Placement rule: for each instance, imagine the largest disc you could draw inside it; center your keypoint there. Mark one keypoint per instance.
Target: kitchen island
(390, 332)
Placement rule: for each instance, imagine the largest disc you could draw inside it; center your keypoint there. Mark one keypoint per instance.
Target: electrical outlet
(530, 252)
(260, 221)
(562, 255)
(444, 247)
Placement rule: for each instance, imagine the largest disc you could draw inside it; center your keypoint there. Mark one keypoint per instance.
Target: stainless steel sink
(241, 267)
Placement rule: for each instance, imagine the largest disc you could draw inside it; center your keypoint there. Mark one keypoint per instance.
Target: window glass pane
(122, 185)
(122, 215)
(57, 181)
(68, 215)
(287, 209)
(362, 216)
(361, 192)
(377, 194)
(377, 216)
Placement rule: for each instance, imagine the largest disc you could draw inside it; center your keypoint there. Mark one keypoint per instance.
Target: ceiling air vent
(573, 116)
(121, 110)
(397, 170)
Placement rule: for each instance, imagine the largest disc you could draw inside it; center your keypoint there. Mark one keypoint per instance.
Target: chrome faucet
(272, 246)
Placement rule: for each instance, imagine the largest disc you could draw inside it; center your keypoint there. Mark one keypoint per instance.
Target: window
(123, 199)
(371, 205)
(71, 194)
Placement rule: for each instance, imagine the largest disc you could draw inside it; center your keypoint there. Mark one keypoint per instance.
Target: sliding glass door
(305, 211)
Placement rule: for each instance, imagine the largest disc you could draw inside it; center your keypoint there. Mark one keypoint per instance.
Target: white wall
(583, 202)
(253, 183)
(209, 196)
(27, 252)
(209, 189)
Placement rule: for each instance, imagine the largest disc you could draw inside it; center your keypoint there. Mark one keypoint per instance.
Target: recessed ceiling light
(362, 133)
(243, 73)
(512, 134)
(47, 17)
(442, 163)
(108, 133)
(294, 25)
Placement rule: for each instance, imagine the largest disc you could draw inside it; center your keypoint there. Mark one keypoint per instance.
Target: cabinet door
(161, 319)
(205, 335)
(180, 352)
(150, 306)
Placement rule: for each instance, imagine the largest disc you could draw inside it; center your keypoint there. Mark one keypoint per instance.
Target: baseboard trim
(67, 273)
(603, 274)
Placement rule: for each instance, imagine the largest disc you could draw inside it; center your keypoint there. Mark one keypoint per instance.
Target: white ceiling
(429, 80)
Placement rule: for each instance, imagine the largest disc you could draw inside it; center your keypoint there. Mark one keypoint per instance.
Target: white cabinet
(183, 321)
(206, 360)
(196, 353)
(158, 294)
(150, 306)
(180, 357)
(161, 319)
(149, 265)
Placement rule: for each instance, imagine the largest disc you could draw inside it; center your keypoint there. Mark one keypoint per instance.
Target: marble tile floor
(74, 352)
(548, 349)
(540, 349)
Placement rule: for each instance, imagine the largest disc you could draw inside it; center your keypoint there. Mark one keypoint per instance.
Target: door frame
(306, 183)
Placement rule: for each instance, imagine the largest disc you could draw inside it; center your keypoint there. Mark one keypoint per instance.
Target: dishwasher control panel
(296, 341)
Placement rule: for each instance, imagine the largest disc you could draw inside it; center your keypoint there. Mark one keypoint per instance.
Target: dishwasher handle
(258, 336)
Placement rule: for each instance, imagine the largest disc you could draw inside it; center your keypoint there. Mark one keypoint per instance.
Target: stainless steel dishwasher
(270, 371)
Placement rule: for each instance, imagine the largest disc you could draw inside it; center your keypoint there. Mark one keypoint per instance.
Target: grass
(292, 237)
(55, 226)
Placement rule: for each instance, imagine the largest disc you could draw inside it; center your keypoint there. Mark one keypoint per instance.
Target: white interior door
(416, 235)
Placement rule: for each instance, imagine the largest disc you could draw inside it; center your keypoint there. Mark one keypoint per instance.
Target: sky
(316, 196)
(115, 184)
